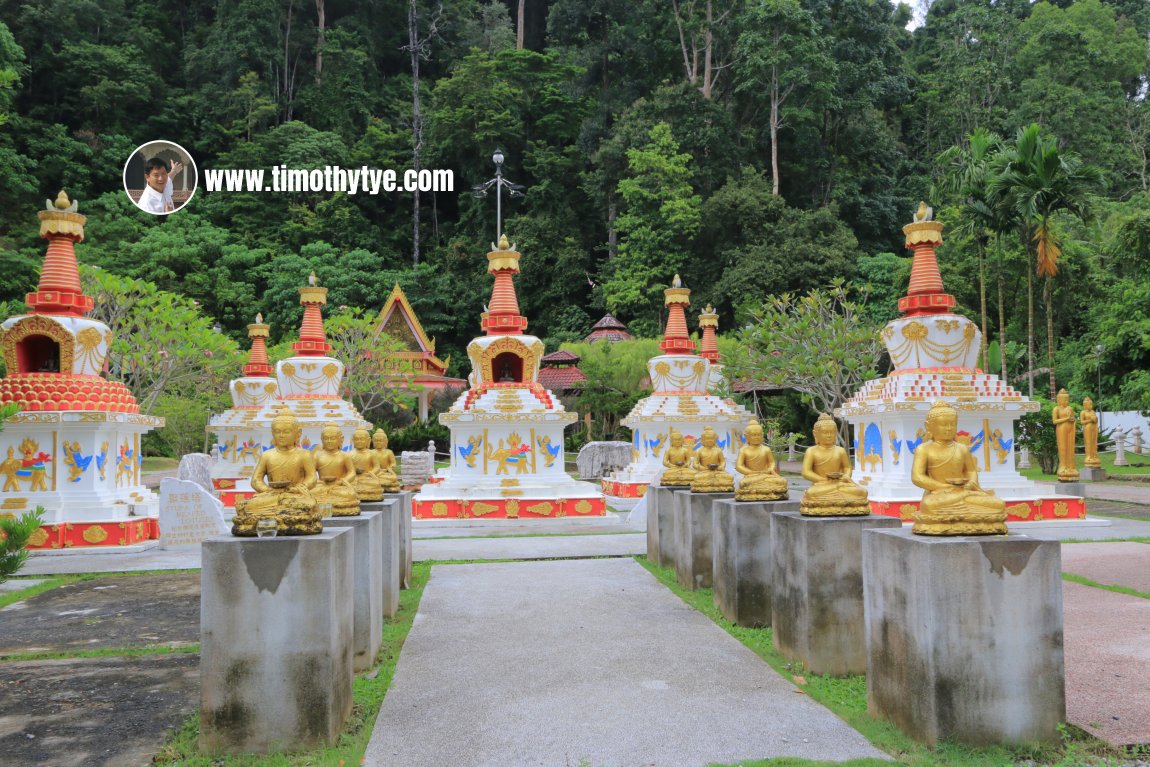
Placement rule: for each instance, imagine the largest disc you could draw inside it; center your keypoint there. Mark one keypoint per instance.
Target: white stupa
(507, 457)
(935, 353)
(308, 384)
(682, 399)
(74, 448)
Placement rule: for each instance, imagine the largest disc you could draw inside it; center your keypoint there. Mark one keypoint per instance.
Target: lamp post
(500, 183)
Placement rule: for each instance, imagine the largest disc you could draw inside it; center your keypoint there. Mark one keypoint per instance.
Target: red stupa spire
(258, 365)
(312, 341)
(709, 346)
(926, 294)
(502, 317)
(59, 290)
(676, 339)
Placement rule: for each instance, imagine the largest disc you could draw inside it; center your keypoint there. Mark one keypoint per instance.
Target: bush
(417, 435)
(14, 535)
(1036, 433)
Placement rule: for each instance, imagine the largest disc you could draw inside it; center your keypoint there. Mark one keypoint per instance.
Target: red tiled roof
(560, 357)
(609, 321)
(561, 379)
(608, 329)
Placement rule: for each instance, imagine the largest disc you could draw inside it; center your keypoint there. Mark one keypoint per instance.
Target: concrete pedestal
(367, 574)
(817, 590)
(405, 547)
(1071, 488)
(964, 636)
(741, 573)
(1091, 475)
(660, 525)
(391, 510)
(694, 524)
(275, 642)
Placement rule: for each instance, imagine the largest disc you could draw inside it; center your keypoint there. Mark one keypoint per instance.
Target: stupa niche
(507, 457)
(683, 381)
(75, 447)
(935, 352)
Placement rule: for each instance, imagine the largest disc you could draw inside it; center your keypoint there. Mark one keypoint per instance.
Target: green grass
(846, 697)
(1139, 466)
(105, 652)
(1095, 584)
(368, 694)
(158, 463)
(56, 581)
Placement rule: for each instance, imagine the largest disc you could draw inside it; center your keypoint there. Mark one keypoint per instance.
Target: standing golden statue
(710, 473)
(828, 467)
(1090, 434)
(761, 480)
(336, 474)
(1064, 428)
(677, 459)
(286, 496)
(953, 503)
(387, 476)
(367, 484)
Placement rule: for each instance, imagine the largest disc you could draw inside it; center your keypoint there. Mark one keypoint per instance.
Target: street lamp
(500, 183)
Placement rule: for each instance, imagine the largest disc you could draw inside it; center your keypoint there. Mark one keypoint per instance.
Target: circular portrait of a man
(160, 177)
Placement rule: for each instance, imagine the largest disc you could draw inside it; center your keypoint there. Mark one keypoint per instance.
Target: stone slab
(367, 575)
(1107, 662)
(965, 636)
(1091, 475)
(405, 532)
(694, 525)
(598, 459)
(197, 467)
(276, 642)
(661, 525)
(188, 513)
(1076, 489)
(742, 559)
(817, 590)
(391, 557)
(556, 663)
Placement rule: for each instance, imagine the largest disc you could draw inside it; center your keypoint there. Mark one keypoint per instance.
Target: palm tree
(967, 175)
(1035, 180)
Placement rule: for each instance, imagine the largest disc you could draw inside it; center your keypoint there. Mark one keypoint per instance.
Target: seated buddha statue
(336, 474)
(710, 467)
(283, 480)
(761, 480)
(828, 467)
(952, 501)
(366, 482)
(677, 459)
(387, 476)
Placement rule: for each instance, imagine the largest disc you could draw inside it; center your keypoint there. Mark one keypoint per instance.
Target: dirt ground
(100, 711)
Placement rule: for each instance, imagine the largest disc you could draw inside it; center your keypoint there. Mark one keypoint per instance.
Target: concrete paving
(1131, 492)
(593, 661)
(543, 547)
(1107, 644)
(1111, 564)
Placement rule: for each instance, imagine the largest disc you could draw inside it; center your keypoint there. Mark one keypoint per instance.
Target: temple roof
(561, 379)
(417, 355)
(608, 329)
(561, 357)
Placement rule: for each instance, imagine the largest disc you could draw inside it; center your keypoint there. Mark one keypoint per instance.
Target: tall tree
(1036, 180)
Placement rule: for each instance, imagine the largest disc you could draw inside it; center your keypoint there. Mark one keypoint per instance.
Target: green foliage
(185, 423)
(14, 535)
(616, 379)
(163, 343)
(358, 341)
(661, 217)
(417, 435)
(1036, 432)
(776, 344)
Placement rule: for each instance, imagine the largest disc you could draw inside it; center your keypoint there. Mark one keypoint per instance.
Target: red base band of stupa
(1034, 510)
(624, 489)
(508, 508)
(77, 535)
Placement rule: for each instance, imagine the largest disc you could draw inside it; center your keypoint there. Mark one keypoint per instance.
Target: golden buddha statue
(709, 464)
(336, 474)
(366, 483)
(285, 496)
(1064, 430)
(953, 503)
(1090, 434)
(761, 480)
(677, 459)
(826, 464)
(387, 476)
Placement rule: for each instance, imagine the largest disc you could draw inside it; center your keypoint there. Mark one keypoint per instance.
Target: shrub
(14, 535)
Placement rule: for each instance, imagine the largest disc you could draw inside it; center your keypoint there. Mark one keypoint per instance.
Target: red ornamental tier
(934, 353)
(507, 457)
(74, 449)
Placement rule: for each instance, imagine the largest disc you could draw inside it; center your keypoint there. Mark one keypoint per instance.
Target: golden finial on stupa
(311, 279)
(61, 217)
(504, 243)
(676, 283)
(259, 318)
(924, 212)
